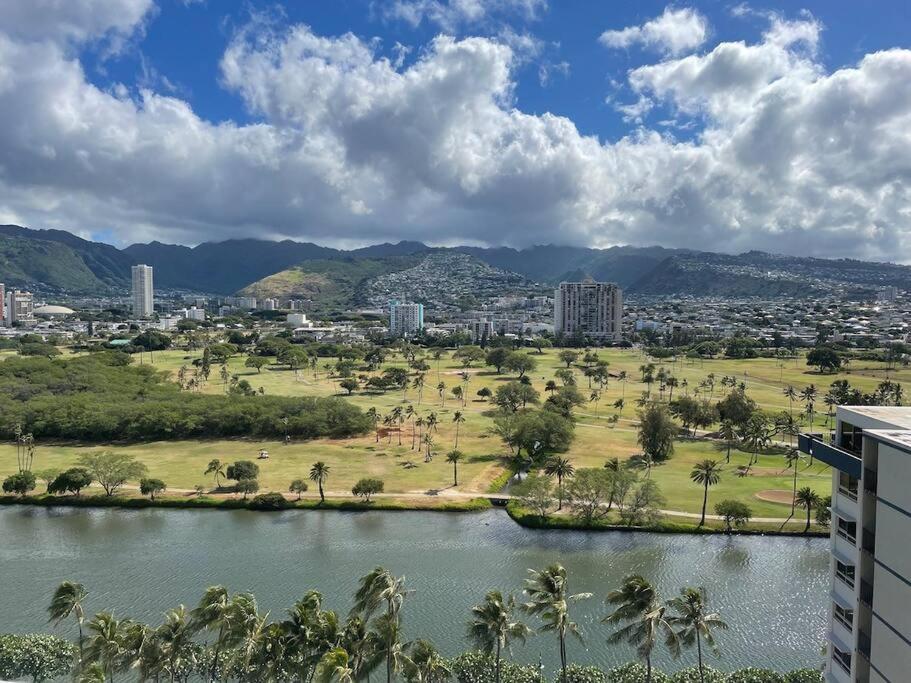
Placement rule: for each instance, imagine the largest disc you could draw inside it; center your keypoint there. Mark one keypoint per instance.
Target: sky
(721, 126)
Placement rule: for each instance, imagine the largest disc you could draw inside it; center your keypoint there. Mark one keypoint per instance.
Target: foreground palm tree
(217, 469)
(549, 599)
(458, 418)
(561, 468)
(69, 599)
(108, 645)
(334, 667)
(635, 604)
(492, 627)
(706, 473)
(695, 622)
(377, 588)
(319, 472)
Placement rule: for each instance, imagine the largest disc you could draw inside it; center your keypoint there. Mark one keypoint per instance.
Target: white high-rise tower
(143, 291)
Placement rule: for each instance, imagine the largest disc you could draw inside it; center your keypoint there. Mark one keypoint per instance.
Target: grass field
(181, 463)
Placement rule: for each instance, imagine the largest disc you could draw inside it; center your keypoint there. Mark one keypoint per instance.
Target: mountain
(107, 266)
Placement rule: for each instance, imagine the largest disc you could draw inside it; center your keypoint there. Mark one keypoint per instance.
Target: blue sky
(724, 126)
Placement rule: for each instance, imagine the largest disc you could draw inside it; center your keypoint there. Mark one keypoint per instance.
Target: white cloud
(350, 147)
(72, 20)
(451, 14)
(676, 31)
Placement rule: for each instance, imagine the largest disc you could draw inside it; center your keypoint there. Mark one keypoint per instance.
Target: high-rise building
(870, 586)
(405, 319)
(143, 292)
(590, 309)
(2, 304)
(20, 307)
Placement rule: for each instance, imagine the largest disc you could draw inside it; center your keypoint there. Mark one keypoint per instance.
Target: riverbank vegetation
(225, 637)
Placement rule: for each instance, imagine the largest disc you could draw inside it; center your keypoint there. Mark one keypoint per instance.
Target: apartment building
(870, 606)
(589, 308)
(405, 319)
(143, 291)
(19, 308)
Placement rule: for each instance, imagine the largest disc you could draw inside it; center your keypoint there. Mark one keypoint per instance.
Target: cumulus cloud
(676, 31)
(452, 14)
(348, 146)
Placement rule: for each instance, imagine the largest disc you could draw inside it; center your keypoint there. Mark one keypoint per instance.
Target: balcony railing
(869, 480)
(868, 540)
(863, 644)
(866, 593)
(840, 459)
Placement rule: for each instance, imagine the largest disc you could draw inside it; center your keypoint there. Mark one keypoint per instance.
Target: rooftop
(901, 439)
(893, 417)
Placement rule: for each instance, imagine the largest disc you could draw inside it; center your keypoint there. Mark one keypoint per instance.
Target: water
(771, 591)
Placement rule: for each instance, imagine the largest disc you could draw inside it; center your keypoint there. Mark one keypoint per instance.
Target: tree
(514, 395)
(367, 487)
(217, 469)
(246, 487)
(68, 600)
(112, 470)
(334, 667)
(319, 472)
(35, 656)
(149, 487)
(824, 358)
(496, 357)
(540, 432)
(549, 599)
(642, 507)
(536, 494)
(734, 513)
(485, 393)
(19, 483)
(520, 363)
(109, 645)
(642, 618)
(736, 407)
(349, 384)
(808, 499)
(568, 356)
(656, 432)
(243, 469)
(695, 622)
(706, 473)
(258, 362)
(458, 419)
(454, 457)
(728, 433)
(493, 627)
(588, 494)
(377, 588)
(561, 468)
(824, 511)
(298, 486)
(72, 481)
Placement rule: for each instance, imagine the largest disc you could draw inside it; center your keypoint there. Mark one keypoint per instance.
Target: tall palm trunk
(563, 657)
(496, 676)
(699, 656)
(705, 500)
(648, 668)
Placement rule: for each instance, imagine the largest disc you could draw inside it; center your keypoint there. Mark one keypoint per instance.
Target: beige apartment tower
(590, 309)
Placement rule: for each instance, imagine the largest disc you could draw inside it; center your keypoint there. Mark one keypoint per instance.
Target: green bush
(35, 656)
(269, 501)
(634, 673)
(581, 674)
(477, 667)
(691, 675)
(803, 676)
(754, 674)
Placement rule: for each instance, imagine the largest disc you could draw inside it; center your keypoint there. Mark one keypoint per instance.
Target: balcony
(840, 459)
(863, 644)
(866, 593)
(868, 541)
(869, 480)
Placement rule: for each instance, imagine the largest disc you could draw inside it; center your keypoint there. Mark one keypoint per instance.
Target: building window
(845, 572)
(843, 659)
(847, 530)
(847, 485)
(851, 438)
(843, 616)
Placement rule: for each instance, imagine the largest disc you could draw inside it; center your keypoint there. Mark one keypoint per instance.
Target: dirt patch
(767, 471)
(775, 496)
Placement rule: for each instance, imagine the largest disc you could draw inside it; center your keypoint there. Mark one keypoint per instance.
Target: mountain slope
(51, 265)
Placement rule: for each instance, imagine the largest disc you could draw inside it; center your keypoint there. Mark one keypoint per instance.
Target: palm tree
(560, 468)
(216, 468)
(492, 627)
(319, 472)
(728, 432)
(458, 418)
(108, 646)
(706, 473)
(410, 415)
(334, 667)
(374, 415)
(424, 663)
(695, 622)
(399, 419)
(454, 457)
(623, 376)
(419, 423)
(549, 599)
(791, 395)
(637, 606)
(213, 613)
(807, 498)
(793, 458)
(418, 383)
(618, 404)
(441, 390)
(428, 445)
(377, 588)
(172, 639)
(69, 599)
